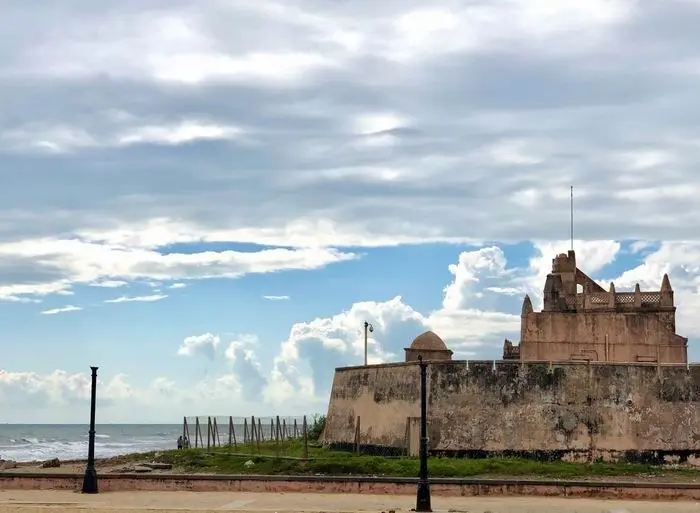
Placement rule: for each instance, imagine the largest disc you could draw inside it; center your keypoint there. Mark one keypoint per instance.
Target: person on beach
(179, 442)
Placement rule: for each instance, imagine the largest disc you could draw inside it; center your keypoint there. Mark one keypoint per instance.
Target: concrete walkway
(50, 501)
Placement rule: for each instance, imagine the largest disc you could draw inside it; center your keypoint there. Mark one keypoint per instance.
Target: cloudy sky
(207, 199)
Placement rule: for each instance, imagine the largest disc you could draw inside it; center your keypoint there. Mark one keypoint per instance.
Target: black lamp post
(423, 492)
(90, 479)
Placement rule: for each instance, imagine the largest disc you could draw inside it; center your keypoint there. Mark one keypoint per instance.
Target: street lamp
(90, 479)
(368, 329)
(423, 492)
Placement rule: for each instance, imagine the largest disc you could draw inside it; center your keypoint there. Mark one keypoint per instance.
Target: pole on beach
(423, 492)
(90, 479)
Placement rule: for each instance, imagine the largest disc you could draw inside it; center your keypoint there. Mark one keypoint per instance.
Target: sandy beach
(72, 502)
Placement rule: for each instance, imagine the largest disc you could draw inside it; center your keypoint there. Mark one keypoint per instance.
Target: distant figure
(179, 442)
(187, 443)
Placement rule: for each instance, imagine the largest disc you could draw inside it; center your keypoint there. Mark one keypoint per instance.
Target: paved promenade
(49, 501)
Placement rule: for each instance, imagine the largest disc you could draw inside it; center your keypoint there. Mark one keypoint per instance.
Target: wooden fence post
(208, 433)
(306, 438)
(197, 433)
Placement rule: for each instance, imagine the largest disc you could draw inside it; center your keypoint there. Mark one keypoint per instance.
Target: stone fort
(597, 375)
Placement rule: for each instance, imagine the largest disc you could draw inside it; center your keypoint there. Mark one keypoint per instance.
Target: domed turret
(429, 346)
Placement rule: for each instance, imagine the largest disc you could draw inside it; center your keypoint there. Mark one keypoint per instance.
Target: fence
(290, 437)
(277, 435)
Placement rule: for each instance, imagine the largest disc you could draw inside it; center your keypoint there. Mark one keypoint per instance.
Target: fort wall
(604, 336)
(573, 411)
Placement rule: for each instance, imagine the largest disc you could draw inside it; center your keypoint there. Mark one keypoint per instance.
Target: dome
(428, 341)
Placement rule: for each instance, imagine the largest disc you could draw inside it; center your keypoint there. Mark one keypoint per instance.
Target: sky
(208, 199)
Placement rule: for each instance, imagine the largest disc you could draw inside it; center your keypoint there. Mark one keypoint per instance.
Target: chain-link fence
(280, 436)
(362, 443)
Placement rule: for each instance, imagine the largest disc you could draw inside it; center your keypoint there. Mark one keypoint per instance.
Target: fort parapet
(570, 411)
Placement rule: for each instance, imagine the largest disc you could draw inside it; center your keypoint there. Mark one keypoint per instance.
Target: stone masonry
(573, 411)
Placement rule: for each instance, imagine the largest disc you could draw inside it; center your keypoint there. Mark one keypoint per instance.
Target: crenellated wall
(565, 410)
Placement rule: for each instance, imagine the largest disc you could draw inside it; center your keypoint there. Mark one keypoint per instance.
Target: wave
(70, 442)
(75, 450)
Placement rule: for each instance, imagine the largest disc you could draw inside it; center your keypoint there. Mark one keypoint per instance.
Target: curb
(381, 485)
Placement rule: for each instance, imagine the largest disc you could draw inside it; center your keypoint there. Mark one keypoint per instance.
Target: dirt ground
(104, 466)
(16, 501)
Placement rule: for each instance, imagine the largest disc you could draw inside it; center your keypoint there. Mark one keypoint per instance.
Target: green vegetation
(316, 428)
(286, 458)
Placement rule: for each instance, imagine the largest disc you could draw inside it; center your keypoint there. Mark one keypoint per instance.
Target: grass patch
(287, 459)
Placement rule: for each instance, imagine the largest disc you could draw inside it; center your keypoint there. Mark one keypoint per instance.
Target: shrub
(316, 428)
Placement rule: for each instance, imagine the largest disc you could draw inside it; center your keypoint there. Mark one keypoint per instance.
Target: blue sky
(210, 214)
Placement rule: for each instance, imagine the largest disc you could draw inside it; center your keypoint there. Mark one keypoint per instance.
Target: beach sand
(17, 501)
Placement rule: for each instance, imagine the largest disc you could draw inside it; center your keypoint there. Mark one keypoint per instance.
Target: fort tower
(581, 321)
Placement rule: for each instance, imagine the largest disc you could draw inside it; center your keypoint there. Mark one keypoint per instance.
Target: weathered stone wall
(603, 336)
(566, 410)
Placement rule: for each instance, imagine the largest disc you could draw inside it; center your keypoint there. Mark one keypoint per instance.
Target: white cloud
(332, 72)
(276, 298)
(110, 284)
(244, 343)
(78, 261)
(63, 309)
(182, 133)
(368, 124)
(138, 299)
(177, 286)
(205, 344)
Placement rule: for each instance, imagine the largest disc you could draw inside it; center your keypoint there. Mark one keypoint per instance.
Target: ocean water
(37, 442)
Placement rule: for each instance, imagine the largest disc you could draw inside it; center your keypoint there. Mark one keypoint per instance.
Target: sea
(38, 442)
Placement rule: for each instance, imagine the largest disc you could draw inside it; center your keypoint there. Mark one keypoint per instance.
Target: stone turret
(553, 293)
(666, 292)
(611, 295)
(526, 310)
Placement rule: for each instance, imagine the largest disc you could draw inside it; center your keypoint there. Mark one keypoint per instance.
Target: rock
(121, 470)
(142, 470)
(7, 464)
(249, 464)
(52, 463)
(158, 466)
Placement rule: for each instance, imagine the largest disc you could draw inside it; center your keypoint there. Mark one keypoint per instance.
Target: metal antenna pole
(572, 217)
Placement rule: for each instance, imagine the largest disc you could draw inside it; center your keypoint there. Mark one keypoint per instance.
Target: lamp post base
(90, 481)
(423, 498)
